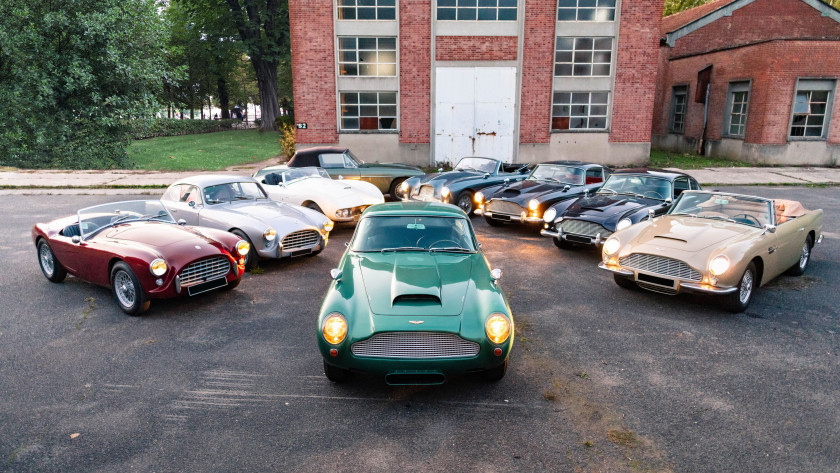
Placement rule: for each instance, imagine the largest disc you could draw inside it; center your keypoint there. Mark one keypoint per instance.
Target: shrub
(287, 140)
(142, 129)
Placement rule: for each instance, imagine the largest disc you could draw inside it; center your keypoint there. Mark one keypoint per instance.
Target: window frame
(588, 116)
(735, 87)
(575, 51)
(359, 115)
(376, 7)
(816, 84)
(577, 9)
(672, 109)
(476, 5)
(358, 63)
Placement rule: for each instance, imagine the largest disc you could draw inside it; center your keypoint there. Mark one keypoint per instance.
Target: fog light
(497, 351)
(159, 281)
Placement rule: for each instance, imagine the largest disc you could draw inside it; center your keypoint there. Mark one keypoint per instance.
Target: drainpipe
(702, 151)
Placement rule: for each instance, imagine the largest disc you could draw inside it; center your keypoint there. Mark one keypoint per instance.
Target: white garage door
(474, 112)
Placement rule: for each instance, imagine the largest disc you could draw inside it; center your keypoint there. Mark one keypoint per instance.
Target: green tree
(71, 74)
(676, 6)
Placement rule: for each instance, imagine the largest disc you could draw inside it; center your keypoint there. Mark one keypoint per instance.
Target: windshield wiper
(403, 248)
(684, 213)
(451, 249)
(123, 218)
(604, 191)
(718, 217)
(243, 197)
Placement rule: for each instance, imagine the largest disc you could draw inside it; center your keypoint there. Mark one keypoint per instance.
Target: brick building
(425, 81)
(772, 69)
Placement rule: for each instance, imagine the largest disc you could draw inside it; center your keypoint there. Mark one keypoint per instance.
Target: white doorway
(474, 112)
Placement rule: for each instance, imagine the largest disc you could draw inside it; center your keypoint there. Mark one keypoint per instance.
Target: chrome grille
(301, 239)
(660, 265)
(415, 345)
(504, 207)
(204, 270)
(426, 191)
(582, 227)
(654, 288)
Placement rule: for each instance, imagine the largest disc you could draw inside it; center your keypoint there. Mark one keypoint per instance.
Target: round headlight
(243, 247)
(497, 328)
(158, 267)
(269, 234)
(335, 328)
(549, 215)
(479, 197)
(404, 186)
(719, 265)
(533, 204)
(444, 192)
(328, 225)
(623, 223)
(611, 246)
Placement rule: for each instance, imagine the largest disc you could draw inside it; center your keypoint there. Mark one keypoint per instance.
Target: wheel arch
(759, 269)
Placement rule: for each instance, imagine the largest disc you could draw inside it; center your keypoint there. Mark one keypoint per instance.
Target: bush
(283, 120)
(287, 140)
(142, 129)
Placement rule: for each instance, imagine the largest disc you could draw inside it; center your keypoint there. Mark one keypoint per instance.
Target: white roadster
(340, 200)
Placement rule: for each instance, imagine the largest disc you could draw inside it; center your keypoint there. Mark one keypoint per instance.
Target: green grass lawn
(204, 152)
(665, 159)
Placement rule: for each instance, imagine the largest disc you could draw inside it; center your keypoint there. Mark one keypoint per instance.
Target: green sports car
(414, 299)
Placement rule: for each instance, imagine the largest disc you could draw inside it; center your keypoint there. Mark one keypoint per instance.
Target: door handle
(174, 210)
(801, 229)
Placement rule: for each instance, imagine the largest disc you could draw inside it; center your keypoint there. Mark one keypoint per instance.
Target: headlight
(328, 225)
(497, 328)
(158, 267)
(243, 247)
(719, 265)
(533, 204)
(269, 234)
(335, 328)
(611, 246)
(479, 197)
(404, 186)
(444, 192)
(623, 223)
(549, 215)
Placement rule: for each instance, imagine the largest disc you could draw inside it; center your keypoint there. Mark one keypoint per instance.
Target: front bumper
(276, 250)
(508, 218)
(574, 238)
(680, 286)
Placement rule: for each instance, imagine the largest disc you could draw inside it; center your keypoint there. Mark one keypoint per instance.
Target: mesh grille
(655, 288)
(426, 192)
(301, 239)
(504, 207)
(660, 265)
(582, 227)
(415, 345)
(204, 270)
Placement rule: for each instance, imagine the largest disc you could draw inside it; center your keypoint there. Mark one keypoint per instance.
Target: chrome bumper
(616, 269)
(511, 218)
(548, 233)
(683, 286)
(596, 240)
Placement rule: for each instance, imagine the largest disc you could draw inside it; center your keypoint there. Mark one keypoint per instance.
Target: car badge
(197, 247)
(415, 322)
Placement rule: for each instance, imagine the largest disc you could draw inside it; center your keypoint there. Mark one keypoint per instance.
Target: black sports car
(549, 183)
(627, 197)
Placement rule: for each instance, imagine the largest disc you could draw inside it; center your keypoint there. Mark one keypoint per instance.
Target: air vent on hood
(671, 238)
(430, 298)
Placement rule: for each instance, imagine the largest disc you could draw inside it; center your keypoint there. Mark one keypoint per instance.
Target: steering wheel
(455, 243)
(747, 217)
(660, 196)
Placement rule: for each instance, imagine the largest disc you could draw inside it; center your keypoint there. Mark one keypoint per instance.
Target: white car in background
(341, 200)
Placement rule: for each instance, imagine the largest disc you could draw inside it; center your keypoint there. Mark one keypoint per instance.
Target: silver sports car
(241, 206)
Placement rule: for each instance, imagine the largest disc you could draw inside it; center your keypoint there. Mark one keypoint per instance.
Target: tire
(465, 202)
(492, 222)
(798, 268)
(335, 374)
(232, 285)
(562, 244)
(50, 266)
(496, 374)
(251, 259)
(395, 184)
(739, 300)
(314, 206)
(624, 283)
(127, 290)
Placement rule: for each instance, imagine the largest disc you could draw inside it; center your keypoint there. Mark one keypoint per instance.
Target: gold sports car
(715, 243)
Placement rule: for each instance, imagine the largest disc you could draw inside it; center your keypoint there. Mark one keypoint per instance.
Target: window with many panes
(367, 56)
(679, 100)
(477, 10)
(367, 9)
(579, 111)
(586, 10)
(737, 102)
(811, 108)
(582, 56)
(368, 110)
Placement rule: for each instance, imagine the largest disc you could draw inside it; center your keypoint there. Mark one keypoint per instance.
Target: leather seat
(71, 230)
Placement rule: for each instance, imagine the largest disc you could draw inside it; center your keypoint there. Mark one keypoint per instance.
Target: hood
(689, 234)
(439, 179)
(416, 283)
(164, 238)
(523, 191)
(267, 211)
(388, 166)
(608, 207)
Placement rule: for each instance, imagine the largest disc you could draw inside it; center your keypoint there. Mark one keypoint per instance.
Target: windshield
(414, 234)
(485, 165)
(753, 211)
(351, 161)
(96, 218)
(295, 174)
(562, 174)
(232, 191)
(640, 186)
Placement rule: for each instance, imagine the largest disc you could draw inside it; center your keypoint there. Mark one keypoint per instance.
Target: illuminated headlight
(444, 193)
(549, 214)
(497, 328)
(611, 246)
(623, 223)
(479, 197)
(341, 213)
(328, 225)
(404, 186)
(334, 329)
(243, 247)
(158, 267)
(533, 204)
(269, 234)
(719, 265)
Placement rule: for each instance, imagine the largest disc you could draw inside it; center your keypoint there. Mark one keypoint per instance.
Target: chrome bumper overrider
(683, 286)
(510, 218)
(596, 240)
(548, 233)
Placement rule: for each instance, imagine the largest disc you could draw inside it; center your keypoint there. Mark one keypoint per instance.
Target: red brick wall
(537, 72)
(313, 69)
(475, 48)
(415, 70)
(636, 70)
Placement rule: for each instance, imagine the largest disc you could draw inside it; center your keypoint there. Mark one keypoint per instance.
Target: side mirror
(335, 274)
(767, 228)
(486, 175)
(668, 200)
(182, 222)
(507, 181)
(566, 188)
(651, 214)
(76, 239)
(191, 204)
(496, 274)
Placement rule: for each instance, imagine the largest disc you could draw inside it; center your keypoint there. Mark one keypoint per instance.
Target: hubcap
(803, 258)
(124, 288)
(46, 259)
(465, 204)
(746, 287)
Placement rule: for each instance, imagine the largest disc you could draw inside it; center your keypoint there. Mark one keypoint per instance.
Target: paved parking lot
(601, 379)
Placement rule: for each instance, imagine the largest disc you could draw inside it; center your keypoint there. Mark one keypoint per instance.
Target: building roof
(680, 19)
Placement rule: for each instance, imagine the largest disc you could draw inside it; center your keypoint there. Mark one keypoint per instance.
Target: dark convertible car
(551, 182)
(459, 185)
(627, 197)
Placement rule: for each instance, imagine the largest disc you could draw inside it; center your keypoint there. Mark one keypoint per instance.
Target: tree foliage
(71, 73)
(676, 6)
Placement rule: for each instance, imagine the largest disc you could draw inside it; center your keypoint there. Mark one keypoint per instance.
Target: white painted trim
(372, 84)
(476, 28)
(587, 28)
(366, 27)
(583, 84)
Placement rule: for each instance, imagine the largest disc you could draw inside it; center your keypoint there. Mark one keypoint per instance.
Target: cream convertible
(715, 243)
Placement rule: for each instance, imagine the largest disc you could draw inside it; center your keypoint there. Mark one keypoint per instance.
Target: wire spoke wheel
(746, 287)
(47, 261)
(124, 289)
(806, 254)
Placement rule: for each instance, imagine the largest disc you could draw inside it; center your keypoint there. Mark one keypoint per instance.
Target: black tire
(492, 222)
(335, 374)
(232, 284)
(465, 202)
(50, 266)
(127, 290)
(739, 300)
(624, 283)
(395, 184)
(798, 268)
(252, 259)
(562, 244)
(314, 206)
(496, 374)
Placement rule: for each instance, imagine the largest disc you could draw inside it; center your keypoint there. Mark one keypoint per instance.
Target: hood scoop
(671, 238)
(404, 298)
(511, 191)
(414, 280)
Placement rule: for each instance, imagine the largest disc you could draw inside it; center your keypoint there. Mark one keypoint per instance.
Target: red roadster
(138, 250)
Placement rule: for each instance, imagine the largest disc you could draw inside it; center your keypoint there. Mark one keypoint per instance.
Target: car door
(338, 167)
(184, 202)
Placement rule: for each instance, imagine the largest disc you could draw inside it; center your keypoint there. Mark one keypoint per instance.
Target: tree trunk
(267, 83)
(224, 101)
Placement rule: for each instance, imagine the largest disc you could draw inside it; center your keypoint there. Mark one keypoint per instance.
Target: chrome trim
(819, 240)
(657, 288)
(584, 228)
(549, 233)
(202, 271)
(417, 345)
(300, 240)
(660, 265)
(705, 289)
(504, 207)
(616, 269)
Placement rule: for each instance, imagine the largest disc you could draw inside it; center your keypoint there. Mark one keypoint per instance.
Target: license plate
(505, 218)
(656, 280)
(207, 286)
(301, 252)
